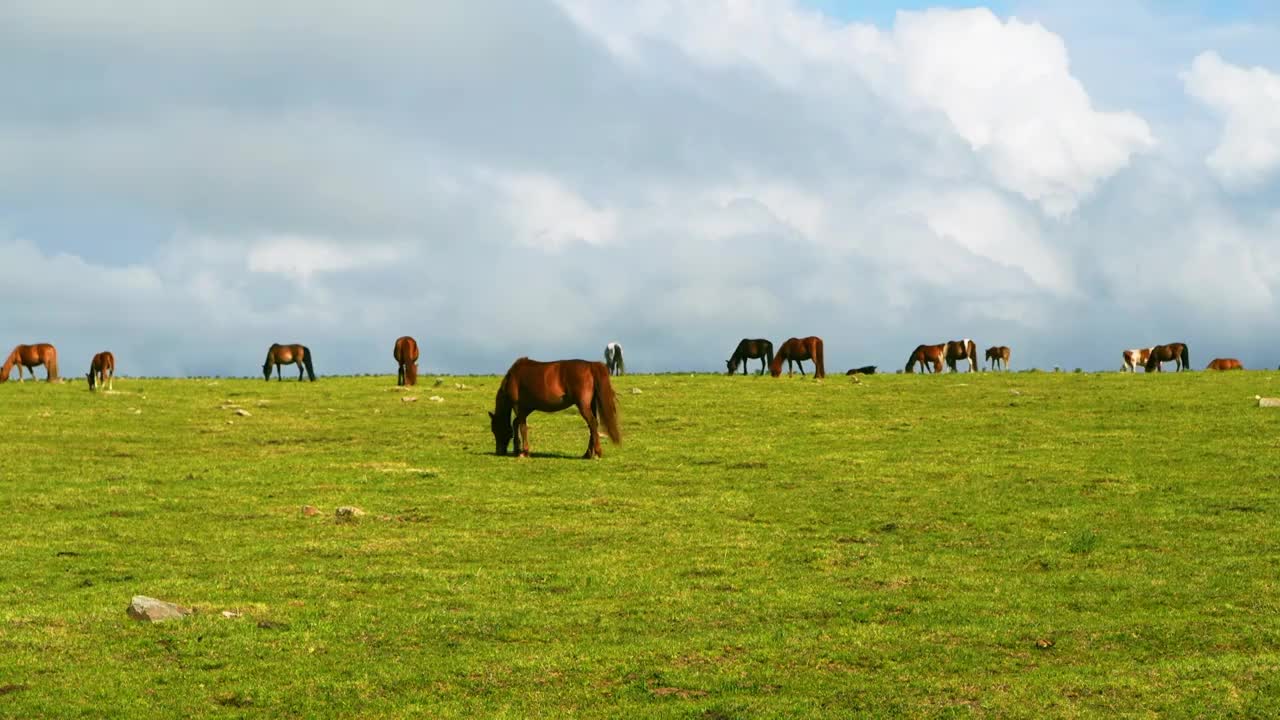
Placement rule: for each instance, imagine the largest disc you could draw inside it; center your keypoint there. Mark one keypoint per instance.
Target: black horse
(750, 350)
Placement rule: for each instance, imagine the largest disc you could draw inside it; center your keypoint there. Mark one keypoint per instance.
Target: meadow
(971, 545)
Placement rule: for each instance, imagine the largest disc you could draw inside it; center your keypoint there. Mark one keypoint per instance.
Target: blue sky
(185, 184)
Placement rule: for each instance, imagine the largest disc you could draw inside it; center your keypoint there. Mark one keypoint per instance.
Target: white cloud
(548, 215)
(301, 257)
(1004, 87)
(1248, 99)
(674, 175)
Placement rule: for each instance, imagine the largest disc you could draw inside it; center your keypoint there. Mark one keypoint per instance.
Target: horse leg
(593, 442)
(520, 432)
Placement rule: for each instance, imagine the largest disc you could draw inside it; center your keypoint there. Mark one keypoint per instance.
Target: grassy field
(1021, 545)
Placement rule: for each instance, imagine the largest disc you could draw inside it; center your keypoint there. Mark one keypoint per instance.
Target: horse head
(93, 385)
(502, 434)
(732, 365)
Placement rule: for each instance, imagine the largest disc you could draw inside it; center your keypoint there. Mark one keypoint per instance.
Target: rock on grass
(150, 609)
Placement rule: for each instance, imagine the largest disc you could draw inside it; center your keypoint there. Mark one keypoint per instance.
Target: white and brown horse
(965, 349)
(1134, 358)
(1176, 352)
(102, 371)
(928, 357)
(998, 357)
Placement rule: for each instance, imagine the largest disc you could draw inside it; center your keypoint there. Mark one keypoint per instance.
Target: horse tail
(604, 402)
(768, 353)
(51, 364)
(306, 360)
(1186, 357)
(821, 370)
(622, 363)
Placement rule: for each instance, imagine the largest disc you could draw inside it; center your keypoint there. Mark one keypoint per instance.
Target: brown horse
(278, 355)
(998, 357)
(29, 356)
(102, 371)
(1177, 352)
(405, 352)
(1225, 364)
(797, 350)
(1133, 358)
(749, 349)
(928, 356)
(965, 349)
(551, 387)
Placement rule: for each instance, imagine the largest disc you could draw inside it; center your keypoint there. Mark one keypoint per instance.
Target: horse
(797, 350)
(1177, 352)
(278, 355)
(613, 359)
(1133, 358)
(864, 370)
(29, 356)
(928, 356)
(999, 357)
(102, 371)
(749, 349)
(530, 385)
(965, 349)
(405, 352)
(1224, 364)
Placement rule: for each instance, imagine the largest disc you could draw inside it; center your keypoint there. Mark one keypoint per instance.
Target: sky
(185, 183)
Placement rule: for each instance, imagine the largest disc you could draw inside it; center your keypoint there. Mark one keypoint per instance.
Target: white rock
(150, 609)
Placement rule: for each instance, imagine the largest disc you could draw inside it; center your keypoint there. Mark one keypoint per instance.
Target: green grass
(1025, 545)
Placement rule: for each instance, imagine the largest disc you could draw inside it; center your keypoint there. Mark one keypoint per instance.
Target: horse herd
(530, 386)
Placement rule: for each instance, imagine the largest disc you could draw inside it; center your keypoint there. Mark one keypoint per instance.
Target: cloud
(505, 179)
(1248, 100)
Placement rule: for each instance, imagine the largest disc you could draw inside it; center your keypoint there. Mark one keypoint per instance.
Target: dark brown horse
(102, 371)
(551, 387)
(864, 370)
(405, 353)
(29, 356)
(998, 356)
(965, 349)
(1133, 358)
(1177, 352)
(749, 349)
(928, 356)
(1225, 364)
(278, 355)
(797, 350)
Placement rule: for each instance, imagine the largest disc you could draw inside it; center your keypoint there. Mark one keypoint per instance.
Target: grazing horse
(550, 387)
(1225, 364)
(750, 350)
(613, 359)
(965, 349)
(1133, 358)
(864, 370)
(405, 352)
(29, 356)
(278, 355)
(928, 356)
(1177, 352)
(102, 371)
(797, 350)
(998, 356)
